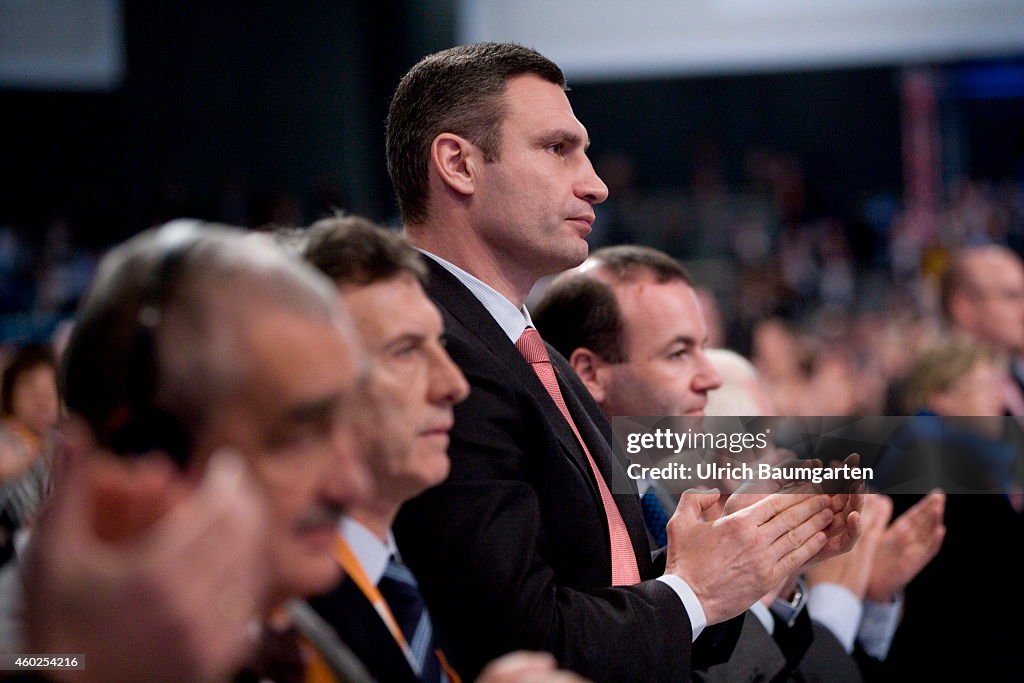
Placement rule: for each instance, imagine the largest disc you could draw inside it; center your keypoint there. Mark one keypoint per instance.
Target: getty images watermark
(885, 454)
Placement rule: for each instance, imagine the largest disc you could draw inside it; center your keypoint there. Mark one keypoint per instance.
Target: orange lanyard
(354, 571)
(317, 670)
(348, 561)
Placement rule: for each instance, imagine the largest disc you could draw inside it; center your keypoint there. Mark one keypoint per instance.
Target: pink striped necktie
(624, 567)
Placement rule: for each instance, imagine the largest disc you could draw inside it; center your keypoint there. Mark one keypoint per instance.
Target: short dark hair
(579, 310)
(352, 250)
(24, 359)
(458, 90)
(626, 262)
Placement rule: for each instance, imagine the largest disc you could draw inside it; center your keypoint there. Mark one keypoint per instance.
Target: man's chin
(306, 576)
(319, 540)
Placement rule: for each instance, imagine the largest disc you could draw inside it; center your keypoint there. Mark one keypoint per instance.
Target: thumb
(694, 503)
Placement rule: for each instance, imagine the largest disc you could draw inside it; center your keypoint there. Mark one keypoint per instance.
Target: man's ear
(454, 159)
(591, 369)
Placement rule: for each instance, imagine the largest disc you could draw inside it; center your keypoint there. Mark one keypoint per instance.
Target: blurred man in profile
(210, 370)
(982, 296)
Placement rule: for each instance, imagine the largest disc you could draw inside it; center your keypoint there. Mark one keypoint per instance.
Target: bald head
(983, 296)
(741, 393)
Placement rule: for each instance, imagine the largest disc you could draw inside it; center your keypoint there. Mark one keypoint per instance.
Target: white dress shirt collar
(512, 320)
(373, 555)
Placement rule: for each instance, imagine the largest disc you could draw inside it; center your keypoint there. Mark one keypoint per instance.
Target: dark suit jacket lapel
(360, 627)
(460, 303)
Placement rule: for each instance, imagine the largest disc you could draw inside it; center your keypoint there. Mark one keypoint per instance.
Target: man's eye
(556, 147)
(678, 355)
(404, 351)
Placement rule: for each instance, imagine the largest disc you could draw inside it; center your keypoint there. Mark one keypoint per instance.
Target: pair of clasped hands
(732, 550)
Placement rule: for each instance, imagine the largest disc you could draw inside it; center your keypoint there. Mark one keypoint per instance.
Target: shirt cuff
(763, 615)
(878, 626)
(787, 610)
(836, 608)
(698, 620)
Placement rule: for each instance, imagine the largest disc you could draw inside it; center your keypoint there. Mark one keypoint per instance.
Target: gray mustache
(320, 516)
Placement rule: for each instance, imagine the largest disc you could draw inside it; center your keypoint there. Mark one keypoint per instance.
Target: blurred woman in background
(29, 411)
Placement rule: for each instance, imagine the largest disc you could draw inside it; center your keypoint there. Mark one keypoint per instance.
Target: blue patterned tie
(654, 517)
(402, 593)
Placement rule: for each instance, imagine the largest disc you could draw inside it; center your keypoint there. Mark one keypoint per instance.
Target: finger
(854, 524)
(885, 505)
(794, 536)
(802, 554)
(513, 666)
(936, 542)
(800, 487)
(805, 484)
(768, 511)
(875, 513)
(210, 557)
(62, 541)
(838, 501)
(716, 511)
(923, 517)
(128, 497)
(856, 500)
(225, 496)
(693, 503)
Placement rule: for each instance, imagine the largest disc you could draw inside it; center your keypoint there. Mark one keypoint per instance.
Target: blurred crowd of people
(247, 417)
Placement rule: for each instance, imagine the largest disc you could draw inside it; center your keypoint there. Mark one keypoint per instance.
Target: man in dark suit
(631, 325)
(378, 611)
(525, 545)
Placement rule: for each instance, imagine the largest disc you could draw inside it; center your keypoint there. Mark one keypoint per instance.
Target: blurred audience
(957, 440)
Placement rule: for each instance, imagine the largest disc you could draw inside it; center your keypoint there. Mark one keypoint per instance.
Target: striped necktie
(624, 567)
(402, 593)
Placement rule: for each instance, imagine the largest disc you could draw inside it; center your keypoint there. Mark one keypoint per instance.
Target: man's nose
(590, 187)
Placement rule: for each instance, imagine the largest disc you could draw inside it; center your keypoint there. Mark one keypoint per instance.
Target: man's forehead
(671, 304)
(392, 307)
(642, 284)
(992, 266)
(542, 105)
(277, 337)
